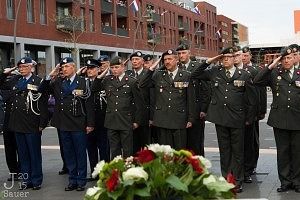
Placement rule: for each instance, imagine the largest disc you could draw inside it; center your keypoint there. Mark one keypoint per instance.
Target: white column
(20, 51)
(96, 54)
(50, 58)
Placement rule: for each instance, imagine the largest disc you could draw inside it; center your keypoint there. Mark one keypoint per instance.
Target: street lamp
(15, 33)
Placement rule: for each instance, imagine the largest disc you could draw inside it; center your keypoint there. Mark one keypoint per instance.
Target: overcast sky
(268, 21)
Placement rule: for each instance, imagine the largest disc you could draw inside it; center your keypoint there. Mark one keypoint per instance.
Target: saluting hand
(9, 70)
(81, 70)
(214, 59)
(189, 125)
(89, 129)
(275, 63)
(55, 71)
(153, 67)
(103, 74)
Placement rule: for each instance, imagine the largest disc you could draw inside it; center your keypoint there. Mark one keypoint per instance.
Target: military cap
(295, 48)
(136, 54)
(228, 50)
(285, 51)
(147, 57)
(246, 50)
(90, 63)
(24, 60)
(115, 61)
(66, 60)
(236, 49)
(103, 58)
(168, 52)
(183, 47)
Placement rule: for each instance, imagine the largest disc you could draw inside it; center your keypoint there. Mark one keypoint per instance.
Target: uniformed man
(251, 163)
(148, 61)
(27, 119)
(73, 116)
(124, 103)
(104, 60)
(232, 105)
(284, 80)
(174, 96)
(195, 134)
(97, 140)
(141, 135)
(296, 51)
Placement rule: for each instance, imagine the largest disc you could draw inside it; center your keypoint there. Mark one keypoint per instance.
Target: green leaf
(175, 182)
(143, 192)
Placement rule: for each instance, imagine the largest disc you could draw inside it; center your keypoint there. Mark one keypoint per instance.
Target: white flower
(135, 173)
(98, 168)
(92, 191)
(205, 162)
(117, 158)
(157, 148)
(221, 178)
(208, 180)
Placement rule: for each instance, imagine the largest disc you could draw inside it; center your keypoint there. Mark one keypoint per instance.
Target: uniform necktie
(171, 76)
(290, 74)
(68, 82)
(228, 74)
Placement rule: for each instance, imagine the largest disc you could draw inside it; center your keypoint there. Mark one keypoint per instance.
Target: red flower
(145, 156)
(230, 179)
(196, 164)
(113, 181)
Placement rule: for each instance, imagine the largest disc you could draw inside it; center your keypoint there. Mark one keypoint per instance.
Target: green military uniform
(284, 118)
(124, 103)
(232, 103)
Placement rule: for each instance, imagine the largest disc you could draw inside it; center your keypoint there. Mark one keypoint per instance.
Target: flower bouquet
(158, 172)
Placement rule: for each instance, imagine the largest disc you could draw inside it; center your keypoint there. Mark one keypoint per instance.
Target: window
(82, 14)
(10, 9)
(92, 2)
(92, 21)
(43, 12)
(29, 6)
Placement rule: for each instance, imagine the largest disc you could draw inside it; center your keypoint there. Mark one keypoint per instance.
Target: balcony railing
(122, 11)
(122, 32)
(106, 6)
(69, 23)
(153, 18)
(183, 26)
(200, 33)
(107, 29)
(153, 38)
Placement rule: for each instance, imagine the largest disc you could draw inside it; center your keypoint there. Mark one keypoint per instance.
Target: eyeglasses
(23, 66)
(227, 57)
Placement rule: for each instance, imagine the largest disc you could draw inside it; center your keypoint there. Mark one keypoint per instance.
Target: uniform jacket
(145, 93)
(233, 101)
(124, 101)
(21, 117)
(70, 115)
(285, 108)
(174, 99)
(201, 89)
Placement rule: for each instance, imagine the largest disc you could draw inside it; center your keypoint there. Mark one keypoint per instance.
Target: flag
(219, 33)
(135, 6)
(197, 11)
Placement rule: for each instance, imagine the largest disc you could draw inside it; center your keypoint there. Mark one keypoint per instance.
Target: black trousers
(120, 141)
(176, 138)
(195, 137)
(288, 156)
(256, 144)
(231, 146)
(141, 137)
(61, 149)
(11, 152)
(97, 144)
(249, 149)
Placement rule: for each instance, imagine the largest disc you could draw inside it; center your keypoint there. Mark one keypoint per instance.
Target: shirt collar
(138, 72)
(72, 78)
(173, 72)
(231, 70)
(121, 76)
(27, 77)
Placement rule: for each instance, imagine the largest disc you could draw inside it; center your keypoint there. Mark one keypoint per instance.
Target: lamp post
(15, 33)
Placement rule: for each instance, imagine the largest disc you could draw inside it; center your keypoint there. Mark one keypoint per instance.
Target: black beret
(228, 50)
(24, 60)
(246, 50)
(115, 61)
(168, 52)
(147, 57)
(136, 54)
(90, 63)
(103, 58)
(183, 47)
(66, 60)
(236, 48)
(295, 48)
(285, 51)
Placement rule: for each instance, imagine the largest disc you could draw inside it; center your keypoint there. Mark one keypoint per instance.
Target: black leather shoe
(38, 187)
(283, 188)
(71, 188)
(80, 188)
(297, 190)
(247, 179)
(253, 172)
(238, 188)
(63, 171)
